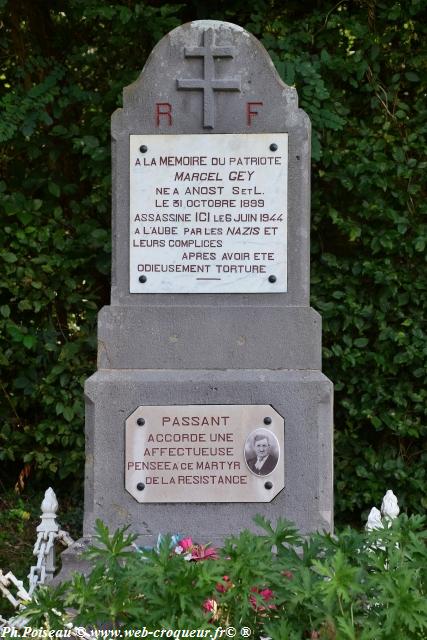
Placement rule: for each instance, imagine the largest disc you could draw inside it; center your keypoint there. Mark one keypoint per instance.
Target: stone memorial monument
(209, 405)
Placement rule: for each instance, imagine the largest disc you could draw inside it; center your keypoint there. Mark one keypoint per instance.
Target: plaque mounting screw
(142, 279)
(140, 422)
(270, 278)
(267, 420)
(273, 147)
(141, 486)
(268, 485)
(143, 148)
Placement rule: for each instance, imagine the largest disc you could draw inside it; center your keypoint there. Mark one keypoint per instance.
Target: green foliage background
(360, 70)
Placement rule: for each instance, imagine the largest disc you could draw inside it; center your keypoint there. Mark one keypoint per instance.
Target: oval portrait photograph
(262, 452)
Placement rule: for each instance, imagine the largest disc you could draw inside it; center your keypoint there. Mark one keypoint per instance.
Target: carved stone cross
(208, 84)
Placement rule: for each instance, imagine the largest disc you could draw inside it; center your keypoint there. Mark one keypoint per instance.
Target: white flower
(390, 508)
(374, 520)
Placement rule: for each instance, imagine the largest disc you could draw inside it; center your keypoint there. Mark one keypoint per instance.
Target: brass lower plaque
(204, 453)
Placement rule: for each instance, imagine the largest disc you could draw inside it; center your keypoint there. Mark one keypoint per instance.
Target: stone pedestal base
(73, 561)
(303, 398)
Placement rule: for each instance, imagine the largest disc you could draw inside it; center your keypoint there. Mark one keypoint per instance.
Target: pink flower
(186, 544)
(221, 587)
(266, 595)
(193, 551)
(209, 605)
(203, 552)
(288, 574)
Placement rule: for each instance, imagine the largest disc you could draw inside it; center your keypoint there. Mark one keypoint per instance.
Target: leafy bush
(354, 586)
(58, 94)
(360, 71)
(361, 76)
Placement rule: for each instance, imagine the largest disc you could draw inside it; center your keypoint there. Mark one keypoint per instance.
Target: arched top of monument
(208, 76)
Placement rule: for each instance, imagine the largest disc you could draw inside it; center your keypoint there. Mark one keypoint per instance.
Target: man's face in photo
(262, 448)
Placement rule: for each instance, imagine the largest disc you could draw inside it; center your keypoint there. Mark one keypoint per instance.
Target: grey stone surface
(304, 399)
(211, 337)
(72, 560)
(179, 349)
(260, 82)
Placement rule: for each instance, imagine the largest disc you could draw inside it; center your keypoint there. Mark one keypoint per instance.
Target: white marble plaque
(208, 213)
(204, 453)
